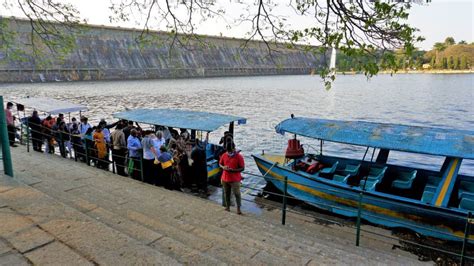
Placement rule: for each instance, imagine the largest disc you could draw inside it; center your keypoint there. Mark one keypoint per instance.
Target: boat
(49, 106)
(197, 122)
(45, 106)
(432, 203)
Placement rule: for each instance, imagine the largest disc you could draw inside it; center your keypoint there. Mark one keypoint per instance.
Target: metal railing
(5, 143)
(88, 154)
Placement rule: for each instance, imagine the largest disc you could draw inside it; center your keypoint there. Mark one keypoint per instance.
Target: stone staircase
(57, 211)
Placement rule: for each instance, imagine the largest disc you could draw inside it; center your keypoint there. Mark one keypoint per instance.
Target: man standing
(34, 122)
(232, 164)
(119, 149)
(199, 166)
(134, 148)
(10, 124)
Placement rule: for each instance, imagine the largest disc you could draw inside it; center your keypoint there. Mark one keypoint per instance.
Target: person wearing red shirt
(10, 124)
(232, 164)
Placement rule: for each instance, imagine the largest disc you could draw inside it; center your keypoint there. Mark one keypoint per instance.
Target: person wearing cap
(166, 161)
(232, 164)
(10, 124)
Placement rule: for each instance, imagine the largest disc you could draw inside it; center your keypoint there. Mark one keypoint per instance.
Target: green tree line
(444, 56)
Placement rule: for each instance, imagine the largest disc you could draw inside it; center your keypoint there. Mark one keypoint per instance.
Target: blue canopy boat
(432, 203)
(183, 119)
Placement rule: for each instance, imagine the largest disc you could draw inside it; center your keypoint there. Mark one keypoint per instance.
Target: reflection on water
(426, 100)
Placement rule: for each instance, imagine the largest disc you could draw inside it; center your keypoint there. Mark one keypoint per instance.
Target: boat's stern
(213, 170)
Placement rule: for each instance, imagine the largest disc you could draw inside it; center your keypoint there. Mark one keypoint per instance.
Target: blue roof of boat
(202, 121)
(426, 140)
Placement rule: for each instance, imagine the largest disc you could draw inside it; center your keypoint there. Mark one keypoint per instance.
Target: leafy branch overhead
(358, 28)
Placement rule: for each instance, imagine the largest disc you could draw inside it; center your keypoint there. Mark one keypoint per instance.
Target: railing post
(466, 237)
(283, 211)
(113, 161)
(86, 151)
(359, 212)
(27, 136)
(5, 142)
(141, 168)
(62, 146)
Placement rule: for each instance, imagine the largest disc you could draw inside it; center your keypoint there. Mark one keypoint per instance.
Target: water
(413, 99)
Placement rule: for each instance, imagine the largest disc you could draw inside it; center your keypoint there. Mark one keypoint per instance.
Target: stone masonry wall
(105, 53)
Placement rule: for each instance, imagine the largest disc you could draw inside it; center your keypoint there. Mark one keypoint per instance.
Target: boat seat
(341, 178)
(467, 204)
(349, 171)
(373, 179)
(427, 196)
(430, 188)
(468, 195)
(465, 187)
(404, 180)
(329, 170)
(433, 181)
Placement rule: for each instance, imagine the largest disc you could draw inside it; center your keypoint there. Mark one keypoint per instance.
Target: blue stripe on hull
(342, 199)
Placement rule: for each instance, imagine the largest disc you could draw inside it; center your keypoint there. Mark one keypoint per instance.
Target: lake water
(413, 99)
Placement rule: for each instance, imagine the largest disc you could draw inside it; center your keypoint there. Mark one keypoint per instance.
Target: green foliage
(449, 41)
(433, 61)
(450, 63)
(463, 64)
(455, 62)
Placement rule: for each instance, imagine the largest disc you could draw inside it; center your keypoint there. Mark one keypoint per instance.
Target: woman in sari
(101, 147)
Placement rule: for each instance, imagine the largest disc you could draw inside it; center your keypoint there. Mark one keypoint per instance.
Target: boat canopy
(426, 140)
(202, 121)
(51, 106)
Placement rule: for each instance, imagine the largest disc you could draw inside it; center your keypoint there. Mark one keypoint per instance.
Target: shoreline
(385, 72)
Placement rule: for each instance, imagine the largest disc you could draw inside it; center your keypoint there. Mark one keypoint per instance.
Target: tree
(456, 63)
(444, 63)
(432, 62)
(358, 28)
(450, 63)
(463, 64)
(449, 41)
(462, 42)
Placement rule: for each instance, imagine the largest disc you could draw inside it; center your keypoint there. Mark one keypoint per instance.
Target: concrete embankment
(105, 53)
(56, 211)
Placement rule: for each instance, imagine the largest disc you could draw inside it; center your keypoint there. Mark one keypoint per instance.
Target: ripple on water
(438, 100)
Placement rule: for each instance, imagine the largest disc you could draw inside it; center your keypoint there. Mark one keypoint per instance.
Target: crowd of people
(162, 156)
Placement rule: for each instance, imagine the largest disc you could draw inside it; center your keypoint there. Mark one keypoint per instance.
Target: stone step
(87, 237)
(177, 227)
(88, 189)
(164, 244)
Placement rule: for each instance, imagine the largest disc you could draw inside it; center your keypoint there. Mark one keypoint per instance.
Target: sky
(436, 20)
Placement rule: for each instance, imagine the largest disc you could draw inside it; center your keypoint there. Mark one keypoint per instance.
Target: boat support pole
(359, 212)
(469, 220)
(283, 211)
(5, 143)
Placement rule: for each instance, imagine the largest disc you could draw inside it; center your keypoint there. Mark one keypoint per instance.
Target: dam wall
(106, 53)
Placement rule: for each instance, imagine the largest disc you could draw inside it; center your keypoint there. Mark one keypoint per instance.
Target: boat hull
(378, 208)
